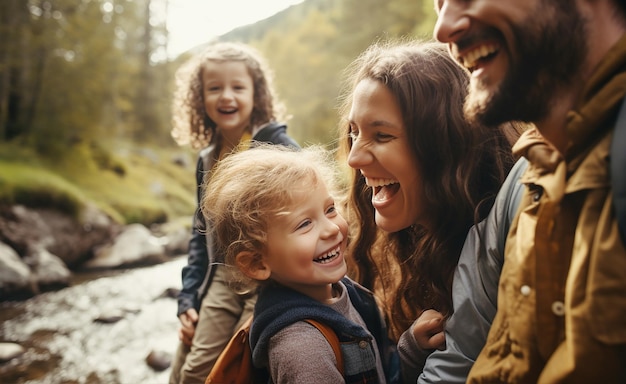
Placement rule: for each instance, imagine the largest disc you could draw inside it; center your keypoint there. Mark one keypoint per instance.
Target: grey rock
(110, 317)
(9, 351)
(15, 275)
(135, 245)
(71, 239)
(49, 269)
(159, 360)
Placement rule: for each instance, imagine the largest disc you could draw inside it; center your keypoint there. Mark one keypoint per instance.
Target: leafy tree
(78, 72)
(18, 93)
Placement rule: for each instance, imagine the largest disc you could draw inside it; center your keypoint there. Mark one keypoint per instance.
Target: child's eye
(303, 224)
(353, 135)
(213, 89)
(331, 210)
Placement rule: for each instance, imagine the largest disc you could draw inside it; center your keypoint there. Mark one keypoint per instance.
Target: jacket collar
(587, 126)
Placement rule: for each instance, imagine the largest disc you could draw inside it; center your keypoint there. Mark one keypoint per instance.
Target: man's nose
(451, 22)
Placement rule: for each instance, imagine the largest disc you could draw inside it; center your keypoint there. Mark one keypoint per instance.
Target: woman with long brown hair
(422, 175)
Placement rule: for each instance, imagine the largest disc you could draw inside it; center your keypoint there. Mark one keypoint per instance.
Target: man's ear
(252, 265)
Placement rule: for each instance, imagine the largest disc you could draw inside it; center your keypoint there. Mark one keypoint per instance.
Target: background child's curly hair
(190, 123)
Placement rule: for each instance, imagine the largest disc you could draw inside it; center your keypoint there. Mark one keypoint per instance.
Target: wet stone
(159, 360)
(110, 317)
(10, 351)
(171, 293)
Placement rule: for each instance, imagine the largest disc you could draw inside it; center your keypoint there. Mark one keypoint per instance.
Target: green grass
(133, 185)
(34, 187)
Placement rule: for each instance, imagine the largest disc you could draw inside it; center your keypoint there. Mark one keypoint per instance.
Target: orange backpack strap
(333, 340)
(234, 365)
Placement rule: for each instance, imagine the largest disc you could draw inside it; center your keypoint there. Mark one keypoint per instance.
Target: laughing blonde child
(273, 215)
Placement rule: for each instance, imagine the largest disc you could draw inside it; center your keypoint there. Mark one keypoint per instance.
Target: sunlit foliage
(83, 83)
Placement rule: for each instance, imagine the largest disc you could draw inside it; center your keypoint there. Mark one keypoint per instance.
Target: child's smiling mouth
(227, 111)
(329, 256)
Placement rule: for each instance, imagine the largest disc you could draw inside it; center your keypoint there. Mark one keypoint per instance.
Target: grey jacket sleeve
(475, 287)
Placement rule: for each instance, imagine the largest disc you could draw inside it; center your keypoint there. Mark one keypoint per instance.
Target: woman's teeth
(379, 182)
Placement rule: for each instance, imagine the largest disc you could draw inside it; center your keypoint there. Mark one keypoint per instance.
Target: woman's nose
(359, 155)
(451, 22)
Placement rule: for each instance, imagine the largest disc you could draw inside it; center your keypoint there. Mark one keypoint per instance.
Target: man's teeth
(471, 57)
(330, 255)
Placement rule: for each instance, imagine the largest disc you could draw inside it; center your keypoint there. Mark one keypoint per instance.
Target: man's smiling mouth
(472, 58)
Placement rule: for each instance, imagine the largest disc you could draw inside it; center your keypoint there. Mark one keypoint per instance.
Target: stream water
(64, 344)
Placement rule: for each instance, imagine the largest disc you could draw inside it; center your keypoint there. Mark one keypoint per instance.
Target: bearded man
(561, 65)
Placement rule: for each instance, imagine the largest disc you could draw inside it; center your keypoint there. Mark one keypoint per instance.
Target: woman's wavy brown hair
(462, 168)
(190, 123)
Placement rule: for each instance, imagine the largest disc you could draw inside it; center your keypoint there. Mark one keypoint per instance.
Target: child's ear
(252, 265)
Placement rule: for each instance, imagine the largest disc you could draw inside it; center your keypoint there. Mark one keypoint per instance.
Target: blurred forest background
(85, 90)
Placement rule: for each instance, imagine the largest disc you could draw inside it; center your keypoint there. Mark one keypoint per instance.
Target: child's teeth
(328, 256)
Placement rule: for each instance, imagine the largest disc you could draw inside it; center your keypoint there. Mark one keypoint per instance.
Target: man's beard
(550, 54)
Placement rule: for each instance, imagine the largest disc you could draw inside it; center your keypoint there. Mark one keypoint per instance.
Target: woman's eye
(383, 137)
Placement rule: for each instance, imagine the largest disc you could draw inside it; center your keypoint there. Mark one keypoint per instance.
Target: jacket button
(558, 308)
(525, 290)
(363, 344)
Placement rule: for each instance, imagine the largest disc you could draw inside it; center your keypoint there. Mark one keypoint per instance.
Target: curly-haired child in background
(224, 102)
(272, 214)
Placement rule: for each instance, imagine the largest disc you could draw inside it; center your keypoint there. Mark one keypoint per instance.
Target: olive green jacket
(562, 292)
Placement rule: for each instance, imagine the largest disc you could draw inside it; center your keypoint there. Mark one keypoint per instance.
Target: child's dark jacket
(197, 274)
(278, 307)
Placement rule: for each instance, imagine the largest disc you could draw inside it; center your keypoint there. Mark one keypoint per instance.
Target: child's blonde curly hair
(190, 123)
(249, 189)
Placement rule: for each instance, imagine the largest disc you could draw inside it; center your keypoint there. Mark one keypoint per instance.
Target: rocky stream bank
(87, 300)
(116, 328)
